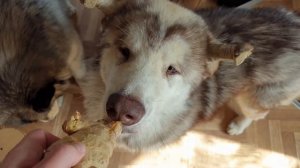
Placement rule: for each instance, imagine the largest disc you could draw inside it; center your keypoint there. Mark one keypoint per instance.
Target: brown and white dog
(154, 71)
(39, 49)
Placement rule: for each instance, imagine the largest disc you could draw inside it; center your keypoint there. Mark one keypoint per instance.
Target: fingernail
(80, 147)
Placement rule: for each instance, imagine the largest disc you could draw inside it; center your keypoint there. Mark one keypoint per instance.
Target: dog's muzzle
(123, 108)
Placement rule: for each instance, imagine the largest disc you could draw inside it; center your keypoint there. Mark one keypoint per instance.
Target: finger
(63, 156)
(30, 149)
(50, 139)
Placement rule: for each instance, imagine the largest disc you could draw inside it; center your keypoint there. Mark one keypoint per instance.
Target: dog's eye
(172, 71)
(125, 52)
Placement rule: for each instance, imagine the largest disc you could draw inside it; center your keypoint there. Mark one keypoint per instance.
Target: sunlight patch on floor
(196, 150)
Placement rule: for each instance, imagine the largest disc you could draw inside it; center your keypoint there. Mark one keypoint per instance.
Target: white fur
(175, 13)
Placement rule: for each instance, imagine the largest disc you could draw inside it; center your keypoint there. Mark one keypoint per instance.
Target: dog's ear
(233, 52)
(106, 6)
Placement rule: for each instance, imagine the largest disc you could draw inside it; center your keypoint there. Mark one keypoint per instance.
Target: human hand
(30, 152)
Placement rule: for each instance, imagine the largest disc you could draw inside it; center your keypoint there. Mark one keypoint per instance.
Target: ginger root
(231, 52)
(74, 124)
(99, 139)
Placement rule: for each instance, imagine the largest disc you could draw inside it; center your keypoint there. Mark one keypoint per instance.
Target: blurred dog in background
(39, 51)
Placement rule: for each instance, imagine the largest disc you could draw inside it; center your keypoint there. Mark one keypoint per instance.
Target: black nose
(42, 99)
(125, 109)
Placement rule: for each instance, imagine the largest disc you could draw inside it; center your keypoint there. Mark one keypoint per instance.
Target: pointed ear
(106, 6)
(233, 52)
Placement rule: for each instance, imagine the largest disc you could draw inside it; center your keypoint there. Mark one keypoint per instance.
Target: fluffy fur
(141, 40)
(39, 48)
(268, 78)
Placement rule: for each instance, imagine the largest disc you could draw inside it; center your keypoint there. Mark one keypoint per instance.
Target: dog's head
(36, 39)
(153, 55)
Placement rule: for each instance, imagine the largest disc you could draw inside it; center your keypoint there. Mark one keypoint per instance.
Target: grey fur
(35, 40)
(272, 72)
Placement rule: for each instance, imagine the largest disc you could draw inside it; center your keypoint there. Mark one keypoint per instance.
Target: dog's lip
(128, 130)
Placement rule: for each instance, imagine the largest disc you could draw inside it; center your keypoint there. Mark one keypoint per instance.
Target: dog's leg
(75, 61)
(247, 112)
(238, 125)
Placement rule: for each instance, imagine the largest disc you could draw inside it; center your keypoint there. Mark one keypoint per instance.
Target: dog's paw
(235, 128)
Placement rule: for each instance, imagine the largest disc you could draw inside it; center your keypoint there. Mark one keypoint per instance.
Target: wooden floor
(273, 142)
(206, 145)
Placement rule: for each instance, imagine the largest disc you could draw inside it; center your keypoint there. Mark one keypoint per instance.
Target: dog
(40, 51)
(157, 70)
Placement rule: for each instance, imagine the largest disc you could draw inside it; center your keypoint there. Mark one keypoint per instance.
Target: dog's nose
(125, 109)
(41, 101)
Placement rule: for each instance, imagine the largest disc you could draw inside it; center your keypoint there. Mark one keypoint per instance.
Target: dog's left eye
(125, 53)
(172, 71)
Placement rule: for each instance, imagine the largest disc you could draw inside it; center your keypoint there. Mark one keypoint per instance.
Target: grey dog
(39, 50)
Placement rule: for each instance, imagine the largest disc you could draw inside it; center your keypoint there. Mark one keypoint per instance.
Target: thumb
(64, 155)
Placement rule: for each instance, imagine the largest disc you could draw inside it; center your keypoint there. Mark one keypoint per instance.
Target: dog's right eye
(125, 53)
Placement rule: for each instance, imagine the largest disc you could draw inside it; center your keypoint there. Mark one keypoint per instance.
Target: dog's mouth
(57, 99)
(28, 115)
(125, 129)
(54, 110)
(129, 130)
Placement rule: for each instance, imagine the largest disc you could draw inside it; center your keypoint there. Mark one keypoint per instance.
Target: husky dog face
(39, 48)
(151, 59)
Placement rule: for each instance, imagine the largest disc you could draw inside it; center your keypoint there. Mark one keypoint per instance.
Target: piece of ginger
(99, 139)
(231, 52)
(75, 123)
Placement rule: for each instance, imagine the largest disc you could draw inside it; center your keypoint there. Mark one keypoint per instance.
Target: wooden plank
(290, 126)
(297, 140)
(262, 134)
(289, 143)
(296, 5)
(284, 113)
(275, 136)
(277, 4)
